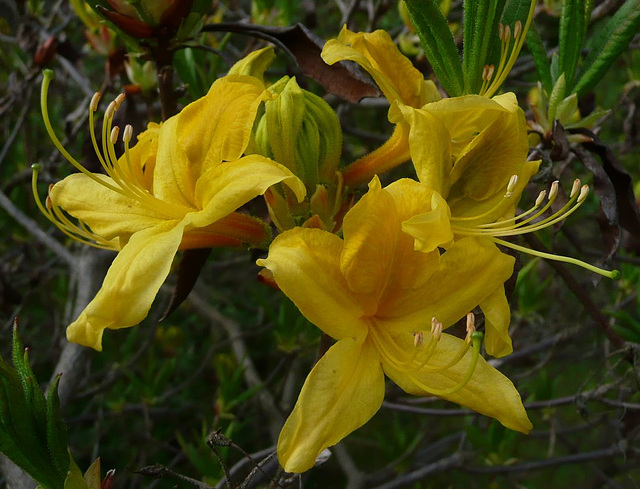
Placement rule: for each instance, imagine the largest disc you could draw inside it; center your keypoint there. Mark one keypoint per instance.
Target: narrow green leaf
(571, 37)
(57, 431)
(33, 395)
(470, 7)
(482, 20)
(438, 44)
(539, 53)
(609, 44)
(24, 448)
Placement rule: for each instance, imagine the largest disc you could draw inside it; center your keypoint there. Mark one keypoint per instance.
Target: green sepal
(74, 478)
(611, 42)
(557, 95)
(438, 44)
(539, 54)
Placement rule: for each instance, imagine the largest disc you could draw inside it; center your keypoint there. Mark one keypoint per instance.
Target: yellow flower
(400, 82)
(376, 295)
(468, 149)
(176, 189)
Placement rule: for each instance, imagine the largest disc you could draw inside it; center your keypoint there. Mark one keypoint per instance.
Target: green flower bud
(302, 132)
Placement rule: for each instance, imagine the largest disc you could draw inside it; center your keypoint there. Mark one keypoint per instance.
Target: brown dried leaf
(304, 47)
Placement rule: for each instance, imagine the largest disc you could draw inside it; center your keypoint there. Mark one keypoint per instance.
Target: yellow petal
(131, 284)
(305, 265)
(230, 185)
(468, 272)
(484, 167)
(342, 392)
(497, 317)
(393, 72)
(379, 258)
(108, 213)
(254, 63)
(208, 131)
(432, 227)
(488, 391)
(429, 144)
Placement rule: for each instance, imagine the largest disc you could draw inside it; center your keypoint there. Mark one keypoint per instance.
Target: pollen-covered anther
(111, 108)
(115, 132)
(507, 33)
(540, 198)
(471, 326)
(95, 100)
(584, 191)
(127, 134)
(501, 31)
(436, 329)
(487, 72)
(517, 29)
(48, 203)
(418, 339)
(575, 188)
(119, 99)
(553, 191)
(511, 186)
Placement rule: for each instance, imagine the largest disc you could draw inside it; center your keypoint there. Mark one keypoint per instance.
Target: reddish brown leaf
(304, 47)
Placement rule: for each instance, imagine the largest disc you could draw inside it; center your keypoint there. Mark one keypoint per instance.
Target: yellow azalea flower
(176, 189)
(376, 296)
(400, 82)
(473, 150)
(468, 149)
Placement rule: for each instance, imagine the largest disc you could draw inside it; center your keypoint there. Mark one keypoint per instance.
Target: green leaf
(438, 44)
(480, 24)
(539, 53)
(57, 431)
(610, 43)
(571, 37)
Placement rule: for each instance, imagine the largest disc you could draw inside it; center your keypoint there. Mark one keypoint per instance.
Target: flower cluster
(384, 276)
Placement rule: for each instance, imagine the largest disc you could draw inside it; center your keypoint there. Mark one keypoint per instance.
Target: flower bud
(302, 132)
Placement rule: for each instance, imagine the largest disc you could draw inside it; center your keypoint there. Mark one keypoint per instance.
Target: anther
(108, 114)
(418, 339)
(511, 186)
(490, 70)
(507, 33)
(584, 191)
(540, 198)
(128, 133)
(436, 329)
(501, 31)
(95, 100)
(517, 29)
(575, 188)
(115, 132)
(471, 326)
(554, 190)
(119, 99)
(48, 202)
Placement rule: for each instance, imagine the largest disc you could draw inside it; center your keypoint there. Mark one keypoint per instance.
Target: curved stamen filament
(613, 274)
(78, 232)
(510, 227)
(508, 194)
(46, 81)
(476, 343)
